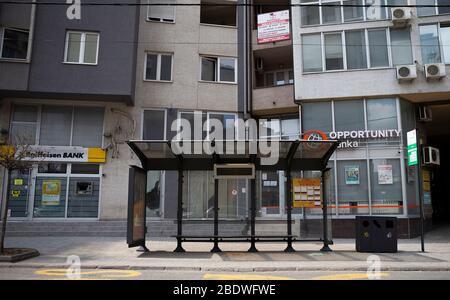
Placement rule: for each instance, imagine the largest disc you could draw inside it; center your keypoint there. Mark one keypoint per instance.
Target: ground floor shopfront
(369, 173)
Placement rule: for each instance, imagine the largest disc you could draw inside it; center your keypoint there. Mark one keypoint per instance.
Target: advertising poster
(351, 175)
(385, 174)
(306, 192)
(273, 27)
(51, 192)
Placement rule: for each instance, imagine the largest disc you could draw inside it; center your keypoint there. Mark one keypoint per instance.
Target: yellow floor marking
(103, 273)
(349, 276)
(243, 277)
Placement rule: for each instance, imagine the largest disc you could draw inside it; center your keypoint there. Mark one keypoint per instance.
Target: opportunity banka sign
(273, 27)
(351, 139)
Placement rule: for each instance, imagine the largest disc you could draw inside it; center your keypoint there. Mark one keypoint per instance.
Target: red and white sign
(273, 27)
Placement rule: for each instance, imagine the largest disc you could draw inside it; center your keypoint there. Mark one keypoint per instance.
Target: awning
(202, 155)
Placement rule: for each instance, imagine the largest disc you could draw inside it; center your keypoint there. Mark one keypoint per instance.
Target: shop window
(353, 195)
(18, 193)
(154, 125)
(161, 13)
(349, 115)
(88, 126)
(216, 14)
(50, 197)
(56, 123)
(14, 43)
(386, 186)
(317, 116)
(83, 197)
(24, 124)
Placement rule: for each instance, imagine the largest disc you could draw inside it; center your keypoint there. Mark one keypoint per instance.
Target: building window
(317, 116)
(14, 43)
(58, 125)
(285, 128)
(334, 55)
(161, 13)
(216, 14)
(82, 47)
(445, 40)
(381, 114)
(427, 9)
(314, 12)
(429, 43)
(355, 43)
(349, 115)
(219, 69)
(312, 53)
(401, 47)
(24, 124)
(353, 10)
(378, 49)
(154, 125)
(277, 78)
(158, 67)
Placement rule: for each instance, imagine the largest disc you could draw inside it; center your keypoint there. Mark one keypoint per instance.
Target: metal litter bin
(376, 234)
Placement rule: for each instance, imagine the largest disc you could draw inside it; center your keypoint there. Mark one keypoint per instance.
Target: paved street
(118, 274)
(110, 258)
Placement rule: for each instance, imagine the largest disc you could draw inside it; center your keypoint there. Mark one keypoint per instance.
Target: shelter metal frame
(298, 155)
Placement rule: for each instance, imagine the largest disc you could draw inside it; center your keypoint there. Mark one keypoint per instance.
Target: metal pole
(422, 215)
(288, 199)
(252, 215)
(216, 216)
(325, 247)
(180, 212)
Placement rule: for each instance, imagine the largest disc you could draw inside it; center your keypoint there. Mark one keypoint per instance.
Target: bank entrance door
(232, 198)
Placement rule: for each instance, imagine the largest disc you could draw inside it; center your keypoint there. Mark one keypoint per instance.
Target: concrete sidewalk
(112, 252)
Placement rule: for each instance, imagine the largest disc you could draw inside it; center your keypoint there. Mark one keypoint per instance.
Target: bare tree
(14, 156)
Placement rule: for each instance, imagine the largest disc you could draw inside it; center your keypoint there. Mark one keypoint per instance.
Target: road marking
(349, 276)
(244, 277)
(104, 274)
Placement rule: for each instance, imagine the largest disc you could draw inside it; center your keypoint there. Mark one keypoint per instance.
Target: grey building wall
(112, 79)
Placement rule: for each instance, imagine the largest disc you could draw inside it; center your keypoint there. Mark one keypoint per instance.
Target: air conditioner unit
(406, 73)
(431, 156)
(435, 71)
(400, 16)
(259, 64)
(425, 114)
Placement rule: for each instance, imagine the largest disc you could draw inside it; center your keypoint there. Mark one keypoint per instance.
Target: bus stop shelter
(245, 159)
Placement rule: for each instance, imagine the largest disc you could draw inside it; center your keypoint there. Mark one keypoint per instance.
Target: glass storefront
(371, 176)
(56, 190)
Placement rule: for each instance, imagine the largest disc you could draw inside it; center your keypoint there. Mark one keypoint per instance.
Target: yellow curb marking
(243, 277)
(103, 273)
(349, 276)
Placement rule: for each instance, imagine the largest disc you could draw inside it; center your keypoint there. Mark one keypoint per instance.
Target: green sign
(413, 157)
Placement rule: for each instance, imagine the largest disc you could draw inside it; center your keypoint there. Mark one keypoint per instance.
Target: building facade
(122, 73)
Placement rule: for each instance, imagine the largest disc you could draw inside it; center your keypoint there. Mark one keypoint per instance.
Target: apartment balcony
(274, 100)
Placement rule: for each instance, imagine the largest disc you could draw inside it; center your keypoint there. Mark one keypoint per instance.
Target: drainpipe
(31, 33)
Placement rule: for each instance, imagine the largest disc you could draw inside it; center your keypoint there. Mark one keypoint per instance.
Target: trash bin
(376, 234)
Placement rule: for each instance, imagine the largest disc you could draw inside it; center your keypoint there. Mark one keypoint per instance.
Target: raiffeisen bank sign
(352, 138)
